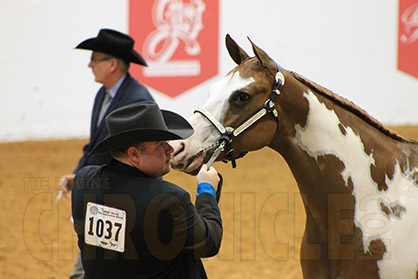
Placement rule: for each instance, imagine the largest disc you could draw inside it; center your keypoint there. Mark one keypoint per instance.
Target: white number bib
(105, 227)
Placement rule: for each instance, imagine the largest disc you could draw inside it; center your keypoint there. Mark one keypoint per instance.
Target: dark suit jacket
(130, 91)
(165, 234)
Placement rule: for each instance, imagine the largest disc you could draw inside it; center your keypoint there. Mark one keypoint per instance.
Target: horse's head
(239, 113)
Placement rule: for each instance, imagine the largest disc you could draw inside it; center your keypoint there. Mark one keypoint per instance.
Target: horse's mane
(350, 107)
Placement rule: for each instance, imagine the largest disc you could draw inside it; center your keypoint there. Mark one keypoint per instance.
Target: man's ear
(114, 64)
(133, 154)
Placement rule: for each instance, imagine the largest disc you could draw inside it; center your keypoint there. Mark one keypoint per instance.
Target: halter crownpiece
(229, 133)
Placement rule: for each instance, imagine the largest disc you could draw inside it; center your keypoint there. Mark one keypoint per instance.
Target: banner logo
(408, 37)
(409, 22)
(179, 41)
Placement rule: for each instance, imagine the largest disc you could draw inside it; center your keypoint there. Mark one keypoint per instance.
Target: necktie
(106, 102)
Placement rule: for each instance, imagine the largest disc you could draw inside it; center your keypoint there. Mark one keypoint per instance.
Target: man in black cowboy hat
(112, 53)
(129, 221)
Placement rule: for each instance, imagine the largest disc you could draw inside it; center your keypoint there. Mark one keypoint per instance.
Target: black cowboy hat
(141, 122)
(115, 43)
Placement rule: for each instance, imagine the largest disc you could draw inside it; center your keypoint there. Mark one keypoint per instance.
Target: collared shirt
(112, 91)
(107, 100)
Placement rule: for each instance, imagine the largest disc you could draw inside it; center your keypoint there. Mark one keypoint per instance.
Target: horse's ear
(264, 59)
(235, 51)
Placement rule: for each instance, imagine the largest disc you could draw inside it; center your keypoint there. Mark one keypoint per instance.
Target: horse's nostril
(179, 150)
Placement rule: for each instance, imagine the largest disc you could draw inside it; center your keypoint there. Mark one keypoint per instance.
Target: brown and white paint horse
(358, 180)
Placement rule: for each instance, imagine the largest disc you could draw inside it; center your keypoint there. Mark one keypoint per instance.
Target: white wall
(350, 47)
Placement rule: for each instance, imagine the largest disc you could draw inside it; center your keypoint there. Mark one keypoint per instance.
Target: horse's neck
(332, 150)
(349, 171)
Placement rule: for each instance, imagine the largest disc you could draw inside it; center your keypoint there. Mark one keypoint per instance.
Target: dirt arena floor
(261, 209)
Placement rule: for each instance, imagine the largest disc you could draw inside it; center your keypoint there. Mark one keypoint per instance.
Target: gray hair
(123, 65)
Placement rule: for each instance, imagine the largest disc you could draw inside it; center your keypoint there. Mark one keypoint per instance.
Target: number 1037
(101, 228)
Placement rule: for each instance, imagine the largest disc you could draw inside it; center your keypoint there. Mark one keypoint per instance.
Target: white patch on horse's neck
(322, 136)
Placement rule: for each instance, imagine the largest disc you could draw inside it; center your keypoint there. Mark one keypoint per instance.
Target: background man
(129, 221)
(112, 54)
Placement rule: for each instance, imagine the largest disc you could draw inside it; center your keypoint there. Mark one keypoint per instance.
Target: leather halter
(229, 133)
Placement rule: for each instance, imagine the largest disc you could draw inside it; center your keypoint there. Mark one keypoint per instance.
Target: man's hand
(66, 184)
(208, 175)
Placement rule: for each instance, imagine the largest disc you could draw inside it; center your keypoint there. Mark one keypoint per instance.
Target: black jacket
(165, 234)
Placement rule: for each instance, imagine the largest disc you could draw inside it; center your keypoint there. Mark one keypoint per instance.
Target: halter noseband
(229, 133)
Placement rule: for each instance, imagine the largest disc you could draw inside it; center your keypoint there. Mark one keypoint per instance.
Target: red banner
(408, 37)
(179, 41)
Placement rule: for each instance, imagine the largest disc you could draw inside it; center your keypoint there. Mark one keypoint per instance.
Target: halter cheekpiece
(229, 133)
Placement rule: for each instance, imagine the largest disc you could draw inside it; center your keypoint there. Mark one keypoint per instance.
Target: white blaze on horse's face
(220, 92)
(322, 136)
(205, 134)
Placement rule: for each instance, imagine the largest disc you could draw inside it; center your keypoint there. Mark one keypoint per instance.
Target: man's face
(155, 158)
(100, 63)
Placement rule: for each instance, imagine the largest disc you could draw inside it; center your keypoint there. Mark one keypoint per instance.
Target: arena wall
(350, 47)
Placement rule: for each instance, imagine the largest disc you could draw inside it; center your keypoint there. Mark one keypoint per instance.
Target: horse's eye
(241, 97)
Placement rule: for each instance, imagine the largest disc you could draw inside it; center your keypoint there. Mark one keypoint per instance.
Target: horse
(357, 178)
